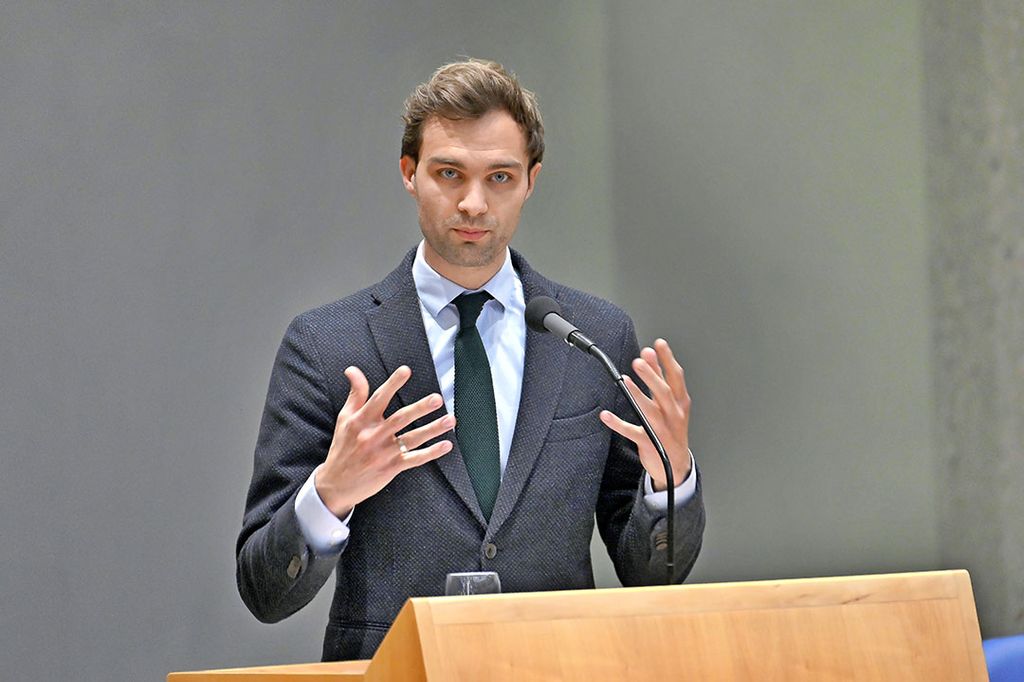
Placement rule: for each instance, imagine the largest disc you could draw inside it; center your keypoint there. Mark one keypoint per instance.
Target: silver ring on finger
(401, 446)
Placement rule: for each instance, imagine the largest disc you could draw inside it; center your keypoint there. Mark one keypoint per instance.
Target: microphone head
(537, 309)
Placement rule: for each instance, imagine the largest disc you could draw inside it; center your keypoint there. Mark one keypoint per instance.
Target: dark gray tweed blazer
(563, 467)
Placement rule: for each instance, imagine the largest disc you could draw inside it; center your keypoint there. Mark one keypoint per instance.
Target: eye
(501, 177)
(448, 173)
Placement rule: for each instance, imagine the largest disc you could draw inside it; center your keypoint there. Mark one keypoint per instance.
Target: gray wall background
(974, 122)
(179, 179)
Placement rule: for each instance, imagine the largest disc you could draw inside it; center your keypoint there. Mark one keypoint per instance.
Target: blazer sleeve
(277, 572)
(636, 535)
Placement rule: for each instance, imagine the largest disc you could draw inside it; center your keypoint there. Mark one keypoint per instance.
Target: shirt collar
(436, 292)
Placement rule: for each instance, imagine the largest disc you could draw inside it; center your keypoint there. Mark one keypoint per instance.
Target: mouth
(470, 234)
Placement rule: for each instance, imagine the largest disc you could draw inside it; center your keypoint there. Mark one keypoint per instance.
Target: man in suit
(417, 428)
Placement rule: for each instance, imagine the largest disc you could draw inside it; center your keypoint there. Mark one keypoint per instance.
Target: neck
(466, 277)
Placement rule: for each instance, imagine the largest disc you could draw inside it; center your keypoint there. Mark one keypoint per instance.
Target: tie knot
(469, 306)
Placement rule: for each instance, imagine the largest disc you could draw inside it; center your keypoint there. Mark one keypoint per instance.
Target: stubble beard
(463, 254)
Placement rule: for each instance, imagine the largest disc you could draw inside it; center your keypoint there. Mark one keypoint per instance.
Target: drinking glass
(480, 582)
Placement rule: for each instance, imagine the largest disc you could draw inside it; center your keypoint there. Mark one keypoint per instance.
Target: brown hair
(468, 90)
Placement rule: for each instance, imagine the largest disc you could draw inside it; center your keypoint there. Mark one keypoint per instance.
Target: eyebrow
(497, 165)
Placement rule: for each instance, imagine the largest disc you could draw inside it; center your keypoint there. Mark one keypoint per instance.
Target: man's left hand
(667, 409)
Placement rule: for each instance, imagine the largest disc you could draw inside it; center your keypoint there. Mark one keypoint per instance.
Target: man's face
(470, 185)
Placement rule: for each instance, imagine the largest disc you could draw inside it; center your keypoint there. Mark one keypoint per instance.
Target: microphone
(543, 314)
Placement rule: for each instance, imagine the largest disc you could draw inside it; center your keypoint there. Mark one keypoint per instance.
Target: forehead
(495, 134)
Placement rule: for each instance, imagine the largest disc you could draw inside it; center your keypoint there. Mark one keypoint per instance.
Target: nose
(474, 201)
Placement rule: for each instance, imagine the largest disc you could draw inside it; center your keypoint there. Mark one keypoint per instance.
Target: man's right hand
(365, 452)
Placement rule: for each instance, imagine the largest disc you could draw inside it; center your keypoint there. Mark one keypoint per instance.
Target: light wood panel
(341, 671)
(908, 627)
(894, 627)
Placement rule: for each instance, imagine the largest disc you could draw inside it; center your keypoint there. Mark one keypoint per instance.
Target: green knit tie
(476, 426)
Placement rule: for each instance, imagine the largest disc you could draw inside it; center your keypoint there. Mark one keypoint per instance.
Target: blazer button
(490, 550)
(294, 566)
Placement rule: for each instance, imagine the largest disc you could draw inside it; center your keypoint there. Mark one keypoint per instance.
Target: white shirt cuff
(325, 533)
(658, 501)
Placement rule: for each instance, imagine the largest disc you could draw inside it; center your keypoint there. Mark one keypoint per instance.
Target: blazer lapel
(397, 328)
(543, 375)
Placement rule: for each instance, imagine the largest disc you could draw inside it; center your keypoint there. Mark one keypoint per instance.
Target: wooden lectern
(907, 627)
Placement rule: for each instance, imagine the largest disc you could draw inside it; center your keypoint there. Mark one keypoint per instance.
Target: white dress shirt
(502, 328)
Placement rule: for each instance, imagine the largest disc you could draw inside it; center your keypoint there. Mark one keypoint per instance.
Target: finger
(657, 415)
(641, 398)
(358, 389)
(381, 398)
(415, 458)
(651, 358)
(660, 392)
(417, 437)
(674, 375)
(623, 428)
(410, 413)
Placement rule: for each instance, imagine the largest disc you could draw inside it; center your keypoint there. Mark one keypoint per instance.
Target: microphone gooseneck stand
(543, 314)
(577, 339)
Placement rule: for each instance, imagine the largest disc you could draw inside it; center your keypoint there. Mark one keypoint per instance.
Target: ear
(408, 167)
(532, 179)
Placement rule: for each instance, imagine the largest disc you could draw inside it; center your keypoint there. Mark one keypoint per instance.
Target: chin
(475, 260)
